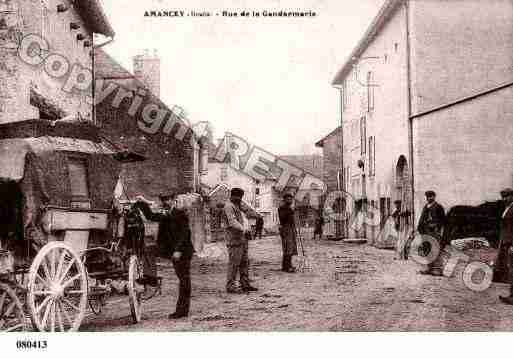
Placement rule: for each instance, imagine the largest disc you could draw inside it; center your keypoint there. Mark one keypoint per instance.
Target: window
(370, 91)
(224, 172)
(363, 135)
(355, 134)
(78, 179)
(372, 156)
(347, 176)
(257, 191)
(344, 96)
(257, 203)
(396, 47)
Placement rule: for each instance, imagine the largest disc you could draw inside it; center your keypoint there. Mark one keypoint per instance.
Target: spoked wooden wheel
(134, 288)
(57, 289)
(12, 317)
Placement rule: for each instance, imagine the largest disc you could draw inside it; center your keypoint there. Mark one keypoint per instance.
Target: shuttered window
(372, 156)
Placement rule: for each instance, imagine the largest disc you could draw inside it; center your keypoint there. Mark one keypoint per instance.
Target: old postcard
(271, 166)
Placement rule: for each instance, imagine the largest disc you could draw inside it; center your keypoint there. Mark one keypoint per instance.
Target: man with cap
(506, 241)
(174, 239)
(238, 232)
(287, 232)
(431, 223)
(500, 268)
(396, 215)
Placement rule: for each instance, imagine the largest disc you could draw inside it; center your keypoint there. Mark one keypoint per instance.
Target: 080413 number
(31, 344)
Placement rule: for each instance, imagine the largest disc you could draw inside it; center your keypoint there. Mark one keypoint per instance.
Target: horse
(474, 221)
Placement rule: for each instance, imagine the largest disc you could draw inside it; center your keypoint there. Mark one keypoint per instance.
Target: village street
(352, 287)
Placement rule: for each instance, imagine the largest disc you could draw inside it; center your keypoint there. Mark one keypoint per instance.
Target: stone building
(332, 170)
(425, 100)
(332, 175)
(173, 152)
(42, 85)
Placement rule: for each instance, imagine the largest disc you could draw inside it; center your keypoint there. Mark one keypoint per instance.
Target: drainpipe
(344, 233)
(94, 77)
(409, 106)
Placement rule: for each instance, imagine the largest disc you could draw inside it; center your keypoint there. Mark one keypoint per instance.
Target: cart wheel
(12, 317)
(57, 289)
(134, 294)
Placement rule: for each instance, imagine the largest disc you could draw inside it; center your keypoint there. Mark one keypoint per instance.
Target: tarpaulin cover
(40, 165)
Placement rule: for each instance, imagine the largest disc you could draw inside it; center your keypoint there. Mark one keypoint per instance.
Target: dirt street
(351, 287)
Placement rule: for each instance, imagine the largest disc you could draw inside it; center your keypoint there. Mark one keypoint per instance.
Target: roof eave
(92, 13)
(379, 21)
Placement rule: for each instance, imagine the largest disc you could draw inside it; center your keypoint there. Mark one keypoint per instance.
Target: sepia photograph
(306, 166)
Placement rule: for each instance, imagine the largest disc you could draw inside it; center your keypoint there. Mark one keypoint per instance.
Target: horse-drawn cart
(59, 244)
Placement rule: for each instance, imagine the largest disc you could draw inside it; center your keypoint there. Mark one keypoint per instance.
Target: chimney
(147, 70)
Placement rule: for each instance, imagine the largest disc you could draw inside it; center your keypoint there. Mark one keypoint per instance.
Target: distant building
(332, 170)
(332, 175)
(263, 192)
(424, 107)
(310, 163)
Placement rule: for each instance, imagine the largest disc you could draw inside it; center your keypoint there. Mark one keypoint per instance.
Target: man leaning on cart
(174, 239)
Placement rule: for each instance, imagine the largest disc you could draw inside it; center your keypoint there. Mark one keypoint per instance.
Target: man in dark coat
(259, 227)
(506, 241)
(431, 223)
(319, 223)
(287, 232)
(174, 239)
(500, 270)
(238, 233)
(396, 215)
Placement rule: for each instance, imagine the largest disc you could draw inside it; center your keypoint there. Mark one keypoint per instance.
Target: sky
(265, 79)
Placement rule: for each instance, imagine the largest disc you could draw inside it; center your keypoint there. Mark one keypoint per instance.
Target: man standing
(506, 241)
(237, 235)
(287, 232)
(319, 223)
(396, 215)
(174, 238)
(431, 223)
(259, 226)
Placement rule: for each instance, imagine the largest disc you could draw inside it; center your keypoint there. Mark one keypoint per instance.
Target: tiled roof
(106, 67)
(320, 143)
(310, 163)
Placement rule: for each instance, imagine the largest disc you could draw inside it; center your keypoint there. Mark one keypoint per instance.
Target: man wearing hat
(237, 235)
(431, 223)
(505, 242)
(174, 239)
(287, 232)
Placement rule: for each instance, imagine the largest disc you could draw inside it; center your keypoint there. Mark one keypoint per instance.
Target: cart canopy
(41, 165)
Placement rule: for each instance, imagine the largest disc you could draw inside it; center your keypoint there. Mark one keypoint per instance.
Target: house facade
(222, 173)
(42, 86)
(461, 88)
(259, 195)
(424, 105)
